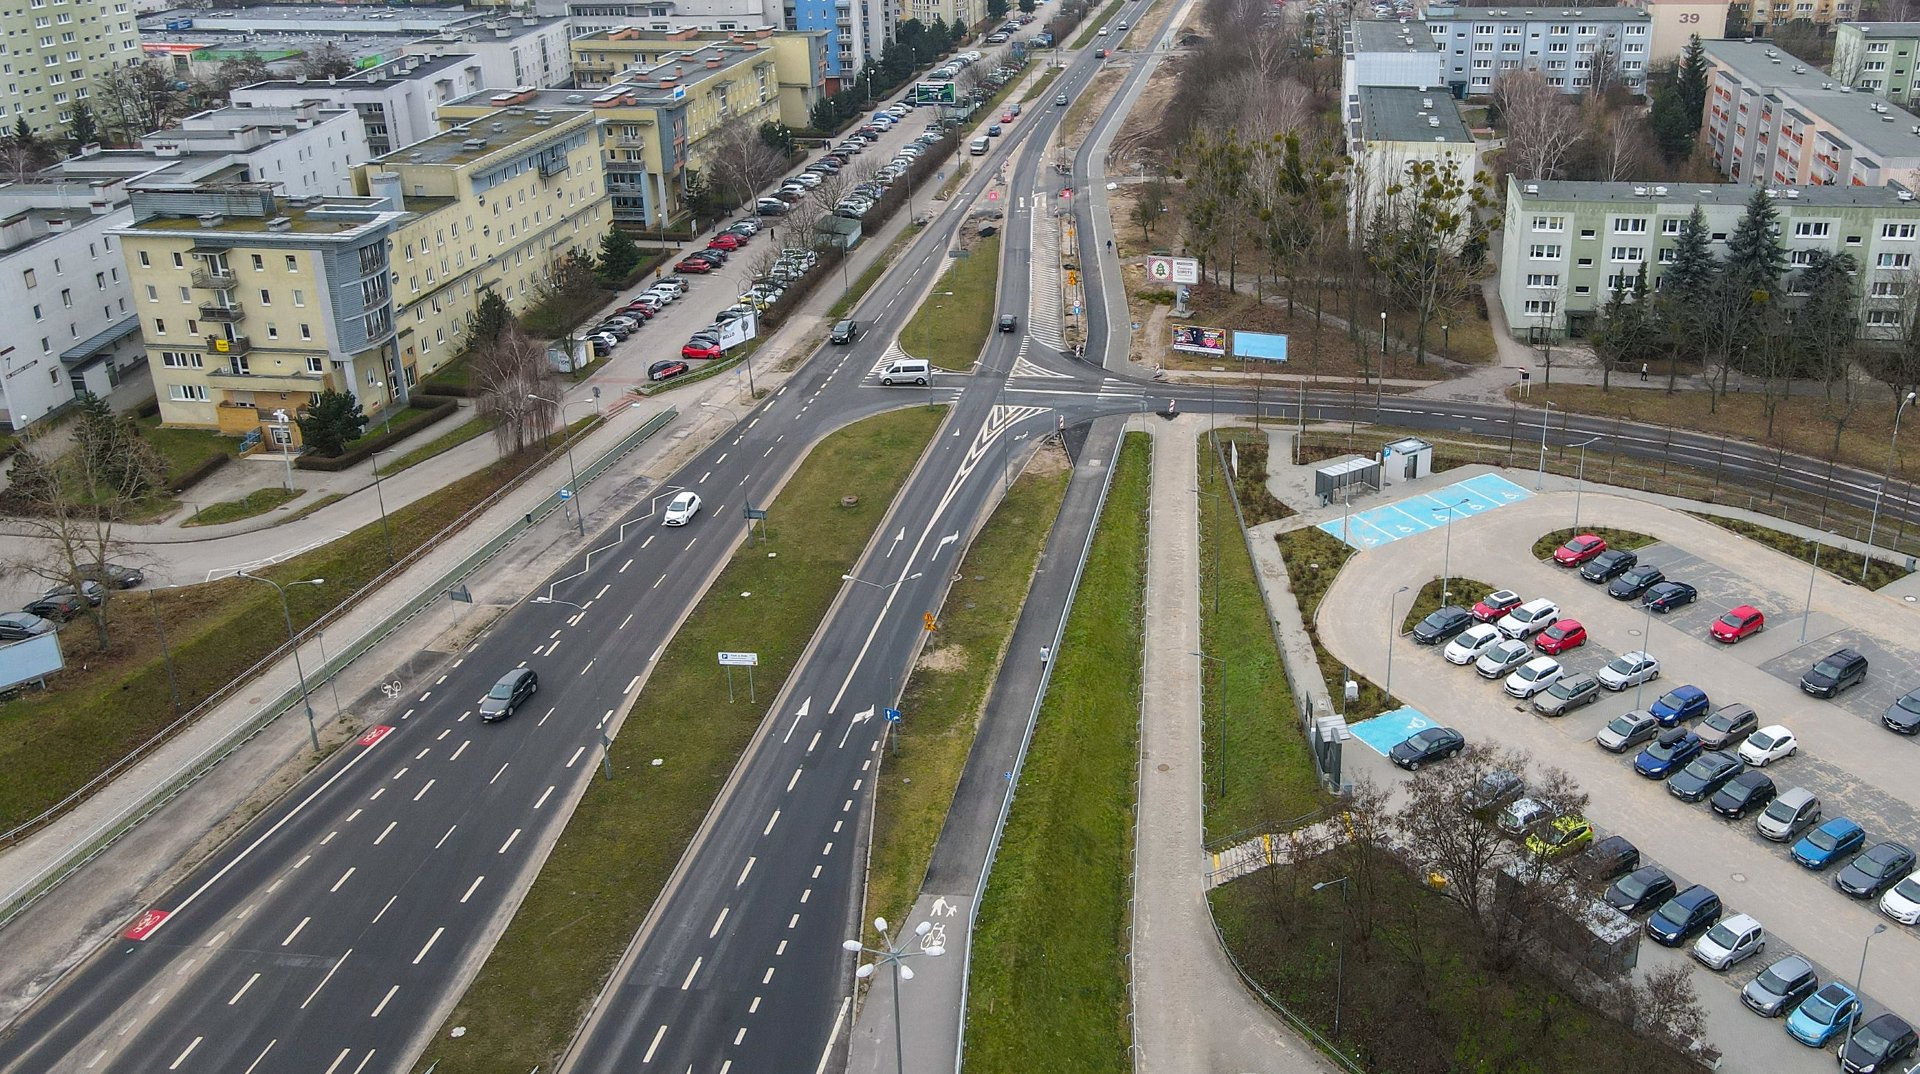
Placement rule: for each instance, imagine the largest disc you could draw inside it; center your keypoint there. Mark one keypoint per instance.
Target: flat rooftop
(1681, 195)
(393, 72)
(1392, 35)
(1887, 29)
(1448, 13)
(1404, 114)
(1873, 127)
(318, 216)
(517, 124)
(343, 19)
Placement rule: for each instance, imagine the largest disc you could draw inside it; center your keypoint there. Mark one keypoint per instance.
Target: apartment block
(1566, 45)
(799, 73)
(1381, 52)
(1758, 18)
(51, 51)
(1567, 246)
(1391, 127)
(397, 100)
(525, 51)
(1677, 22)
(856, 30)
(1772, 120)
(1878, 58)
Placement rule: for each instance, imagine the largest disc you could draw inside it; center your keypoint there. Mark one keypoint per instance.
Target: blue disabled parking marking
(1496, 488)
(1418, 514)
(1389, 729)
(1356, 531)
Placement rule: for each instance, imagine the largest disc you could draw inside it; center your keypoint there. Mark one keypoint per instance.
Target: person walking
(1046, 653)
(1643, 371)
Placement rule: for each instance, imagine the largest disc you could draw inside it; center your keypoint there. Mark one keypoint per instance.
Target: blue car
(1829, 843)
(1680, 704)
(1824, 1015)
(1684, 916)
(1668, 754)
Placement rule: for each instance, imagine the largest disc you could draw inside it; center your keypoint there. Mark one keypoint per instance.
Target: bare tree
(1619, 142)
(1603, 74)
(741, 162)
(1541, 124)
(137, 99)
(507, 374)
(328, 61)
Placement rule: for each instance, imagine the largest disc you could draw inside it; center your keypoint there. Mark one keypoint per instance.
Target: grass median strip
(1314, 557)
(1839, 562)
(870, 275)
(952, 325)
(623, 841)
(1049, 971)
(447, 441)
(1461, 592)
(1260, 771)
(947, 692)
(257, 502)
(1628, 539)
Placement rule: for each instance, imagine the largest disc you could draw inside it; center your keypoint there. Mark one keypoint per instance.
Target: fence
(107, 833)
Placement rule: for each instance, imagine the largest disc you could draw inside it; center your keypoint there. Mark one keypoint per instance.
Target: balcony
(215, 281)
(238, 345)
(220, 311)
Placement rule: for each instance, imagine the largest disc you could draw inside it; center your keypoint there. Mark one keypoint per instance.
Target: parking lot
(1859, 769)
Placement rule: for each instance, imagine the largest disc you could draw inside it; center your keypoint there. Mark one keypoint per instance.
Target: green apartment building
(1877, 57)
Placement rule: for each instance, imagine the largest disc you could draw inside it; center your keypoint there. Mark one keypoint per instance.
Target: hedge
(179, 483)
(437, 407)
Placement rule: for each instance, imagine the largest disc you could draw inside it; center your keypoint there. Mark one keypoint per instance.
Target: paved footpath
(1192, 1015)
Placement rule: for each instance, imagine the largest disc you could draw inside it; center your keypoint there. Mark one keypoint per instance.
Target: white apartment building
(398, 101)
(1566, 45)
(528, 51)
(306, 149)
(52, 50)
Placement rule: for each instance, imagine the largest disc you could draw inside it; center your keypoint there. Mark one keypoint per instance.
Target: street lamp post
(386, 534)
(1383, 345)
(166, 652)
(1812, 573)
(1580, 477)
(881, 585)
(1446, 557)
(1546, 418)
(1340, 960)
(1392, 603)
(929, 341)
(293, 642)
(1446, 341)
(894, 955)
(1885, 477)
(1860, 980)
(566, 442)
(1646, 636)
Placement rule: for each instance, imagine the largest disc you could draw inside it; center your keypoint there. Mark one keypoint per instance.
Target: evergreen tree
(1755, 256)
(1692, 79)
(1826, 323)
(491, 317)
(1027, 6)
(332, 421)
(996, 9)
(778, 136)
(1690, 274)
(619, 255)
(84, 128)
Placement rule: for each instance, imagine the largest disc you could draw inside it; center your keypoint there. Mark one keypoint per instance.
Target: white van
(905, 371)
(978, 147)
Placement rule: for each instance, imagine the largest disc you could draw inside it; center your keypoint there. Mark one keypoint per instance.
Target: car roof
(1538, 603)
(1695, 895)
(1792, 966)
(1613, 844)
(1840, 826)
(1582, 678)
(1740, 921)
(1835, 992)
(1794, 796)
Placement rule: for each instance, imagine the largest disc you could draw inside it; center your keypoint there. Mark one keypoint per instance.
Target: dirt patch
(1050, 458)
(945, 658)
(1091, 104)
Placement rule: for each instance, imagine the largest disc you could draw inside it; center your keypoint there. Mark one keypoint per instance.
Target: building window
(316, 364)
(186, 295)
(29, 279)
(1626, 254)
(159, 326)
(259, 263)
(187, 393)
(1631, 225)
(306, 332)
(181, 359)
(266, 297)
(153, 293)
(273, 331)
(238, 365)
(1888, 288)
(1670, 227)
(1544, 251)
(299, 297)
(1811, 229)
(1541, 307)
(1543, 279)
(293, 263)
(178, 261)
(1894, 261)
(1899, 231)
(1883, 318)
(144, 263)
(1800, 258)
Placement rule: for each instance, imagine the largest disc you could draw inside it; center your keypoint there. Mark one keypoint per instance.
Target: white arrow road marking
(897, 538)
(797, 717)
(945, 541)
(859, 718)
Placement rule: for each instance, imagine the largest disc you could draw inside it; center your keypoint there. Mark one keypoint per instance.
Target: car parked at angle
(1744, 793)
(1523, 815)
(1666, 596)
(1495, 605)
(19, 626)
(1826, 845)
(1609, 565)
(113, 575)
(1564, 836)
(1469, 644)
(1741, 622)
(1780, 987)
(1874, 870)
(1727, 726)
(1628, 669)
(1627, 730)
(1903, 716)
(1635, 581)
(1579, 550)
(1501, 658)
(1834, 673)
(1769, 744)
(1902, 901)
(1879, 1045)
(1442, 624)
(1684, 916)
(1490, 790)
(1824, 1015)
(1563, 635)
(1704, 776)
(1731, 941)
(1571, 692)
(1679, 705)
(1641, 890)
(1427, 746)
(1610, 857)
(1791, 812)
(1673, 750)
(667, 369)
(1529, 619)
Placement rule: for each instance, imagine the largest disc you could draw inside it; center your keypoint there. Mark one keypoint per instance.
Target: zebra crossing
(1025, 367)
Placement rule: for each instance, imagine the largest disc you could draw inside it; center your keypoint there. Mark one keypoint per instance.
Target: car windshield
(1565, 834)
(1703, 768)
(1621, 666)
(1829, 668)
(1761, 740)
(1911, 702)
(1874, 1043)
(1725, 721)
(1529, 673)
(1722, 935)
(1781, 810)
(1525, 615)
(501, 691)
(1623, 725)
(1820, 1007)
(1733, 620)
(1673, 699)
(1662, 751)
(1508, 651)
(1876, 864)
(1775, 980)
(1563, 689)
(1633, 885)
(1430, 737)
(1824, 839)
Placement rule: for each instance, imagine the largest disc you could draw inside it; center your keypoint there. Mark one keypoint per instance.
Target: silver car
(1629, 669)
(1498, 661)
(1571, 692)
(1627, 730)
(1522, 815)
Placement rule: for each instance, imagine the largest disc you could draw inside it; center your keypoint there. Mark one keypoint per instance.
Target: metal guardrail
(13, 903)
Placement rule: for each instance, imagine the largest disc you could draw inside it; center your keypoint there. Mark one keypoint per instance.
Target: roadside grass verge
(1100, 18)
(870, 275)
(1838, 562)
(1313, 557)
(947, 692)
(447, 441)
(950, 329)
(1049, 969)
(257, 502)
(953, 181)
(1627, 539)
(52, 741)
(1039, 87)
(1255, 760)
(622, 842)
(1250, 476)
(328, 500)
(1465, 592)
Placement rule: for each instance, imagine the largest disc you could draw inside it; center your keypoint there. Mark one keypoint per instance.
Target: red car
(1497, 604)
(1561, 636)
(1006, 117)
(724, 241)
(1579, 550)
(695, 266)
(642, 310)
(701, 350)
(1738, 623)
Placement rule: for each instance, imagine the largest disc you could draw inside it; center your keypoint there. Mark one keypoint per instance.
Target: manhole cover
(1161, 768)
(1910, 599)
(1739, 878)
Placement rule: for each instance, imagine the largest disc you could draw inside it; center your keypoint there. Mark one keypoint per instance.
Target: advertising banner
(1260, 346)
(935, 93)
(738, 331)
(1197, 340)
(1161, 269)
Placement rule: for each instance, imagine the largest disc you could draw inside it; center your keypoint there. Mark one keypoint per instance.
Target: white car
(1629, 669)
(681, 509)
(1521, 815)
(1502, 657)
(1902, 901)
(1533, 676)
(1529, 618)
(1471, 643)
(1769, 744)
(1732, 941)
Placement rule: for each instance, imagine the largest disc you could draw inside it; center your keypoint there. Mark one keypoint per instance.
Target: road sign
(755, 513)
(566, 494)
(993, 195)
(930, 623)
(893, 715)
(742, 660)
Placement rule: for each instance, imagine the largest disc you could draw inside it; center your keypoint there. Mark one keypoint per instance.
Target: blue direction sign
(893, 715)
(566, 494)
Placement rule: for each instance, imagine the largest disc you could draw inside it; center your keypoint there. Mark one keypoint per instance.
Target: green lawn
(870, 275)
(1268, 774)
(455, 374)
(1543, 548)
(945, 695)
(447, 441)
(1465, 592)
(185, 449)
(1049, 970)
(624, 839)
(950, 329)
(1040, 84)
(1313, 558)
(1250, 476)
(257, 502)
(1096, 20)
(1840, 563)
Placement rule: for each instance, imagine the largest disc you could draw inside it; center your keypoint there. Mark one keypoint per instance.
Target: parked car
(1878, 1045)
(1680, 704)
(1769, 744)
(1529, 619)
(19, 626)
(667, 369)
(1635, 581)
(701, 349)
(1666, 596)
(1903, 716)
(1730, 942)
(1571, 692)
(1491, 790)
(1743, 794)
(1790, 813)
(1827, 844)
(1496, 604)
(1629, 669)
(694, 265)
(57, 606)
(1902, 901)
(681, 509)
(93, 593)
(1609, 565)
(1608, 858)
(1469, 644)
(1739, 623)
(724, 241)
(1442, 624)
(1824, 1015)
(1501, 658)
(1704, 776)
(1728, 725)
(1432, 744)
(1667, 754)
(1835, 673)
(1684, 916)
(1881, 866)
(1644, 888)
(1562, 636)
(1627, 730)
(1522, 816)
(1780, 987)
(116, 575)
(1579, 550)
(1564, 836)
(508, 694)
(1532, 677)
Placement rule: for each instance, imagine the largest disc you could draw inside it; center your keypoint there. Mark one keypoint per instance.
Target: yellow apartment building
(800, 59)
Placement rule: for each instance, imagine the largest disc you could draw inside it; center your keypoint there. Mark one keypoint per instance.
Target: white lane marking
(780, 950)
(805, 894)
(768, 978)
(323, 981)
(243, 990)
(388, 830)
(834, 1037)
(624, 622)
(703, 478)
(649, 540)
(603, 591)
(510, 838)
(329, 837)
(352, 815)
(343, 879)
(382, 1005)
(262, 1055)
(423, 791)
(431, 940)
(588, 668)
(471, 888)
(175, 1065)
(576, 756)
(744, 871)
(815, 742)
(771, 821)
(543, 718)
(391, 899)
(461, 750)
(828, 849)
(794, 780)
(715, 930)
(296, 931)
(657, 581)
(688, 983)
(740, 1036)
(648, 1058)
(339, 1059)
(543, 798)
(444, 838)
(368, 1059)
(624, 566)
(630, 685)
(497, 775)
(400, 773)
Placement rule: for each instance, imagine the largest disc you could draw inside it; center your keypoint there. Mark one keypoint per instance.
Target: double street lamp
(1393, 604)
(894, 955)
(293, 642)
(1579, 481)
(1886, 476)
(1860, 983)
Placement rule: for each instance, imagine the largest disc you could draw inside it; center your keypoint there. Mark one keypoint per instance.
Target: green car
(1565, 834)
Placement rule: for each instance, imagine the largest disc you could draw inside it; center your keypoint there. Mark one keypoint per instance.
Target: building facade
(1568, 47)
(856, 30)
(1567, 246)
(51, 51)
(307, 148)
(1391, 127)
(629, 54)
(1772, 120)
(1878, 58)
(1758, 18)
(1677, 22)
(1379, 52)
(527, 51)
(397, 101)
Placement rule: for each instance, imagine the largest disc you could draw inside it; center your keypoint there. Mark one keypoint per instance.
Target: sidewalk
(1191, 1013)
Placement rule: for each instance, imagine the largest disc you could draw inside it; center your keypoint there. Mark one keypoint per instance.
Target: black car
(667, 369)
(1707, 774)
(1442, 624)
(1008, 322)
(1877, 1045)
(1492, 789)
(1903, 716)
(1667, 596)
(1642, 889)
(1432, 744)
(58, 606)
(844, 332)
(513, 689)
(116, 575)
(19, 626)
(1684, 916)
(1608, 858)
(1635, 581)
(1871, 873)
(1834, 674)
(1780, 987)
(1609, 565)
(1744, 793)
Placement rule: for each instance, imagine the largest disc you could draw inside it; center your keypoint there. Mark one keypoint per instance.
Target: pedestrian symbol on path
(566, 494)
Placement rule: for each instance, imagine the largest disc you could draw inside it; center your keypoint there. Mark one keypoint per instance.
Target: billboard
(1260, 346)
(1163, 269)
(30, 660)
(935, 93)
(1197, 340)
(738, 331)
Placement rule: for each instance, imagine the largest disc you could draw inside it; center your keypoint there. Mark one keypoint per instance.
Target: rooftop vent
(1792, 194)
(1426, 102)
(1659, 192)
(497, 128)
(280, 223)
(1433, 121)
(1904, 195)
(474, 143)
(1532, 188)
(212, 220)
